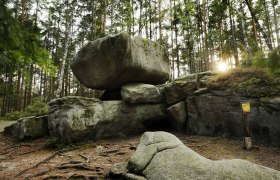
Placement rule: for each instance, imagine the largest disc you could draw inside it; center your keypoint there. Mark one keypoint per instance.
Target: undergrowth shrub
(250, 82)
(37, 108)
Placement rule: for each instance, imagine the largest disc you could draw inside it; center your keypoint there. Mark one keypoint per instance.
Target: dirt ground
(93, 160)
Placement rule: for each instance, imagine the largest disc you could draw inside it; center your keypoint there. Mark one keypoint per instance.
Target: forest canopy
(38, 39)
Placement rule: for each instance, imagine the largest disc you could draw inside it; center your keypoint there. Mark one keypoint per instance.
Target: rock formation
(77, 118)
(161, 155)
(29, 128)
(219, 113)
(141, 93)
(110, 62)
(128, 69)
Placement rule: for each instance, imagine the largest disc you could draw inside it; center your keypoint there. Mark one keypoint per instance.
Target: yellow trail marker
(246, 107)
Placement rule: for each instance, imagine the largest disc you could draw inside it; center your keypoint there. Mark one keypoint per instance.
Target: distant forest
(38, 39)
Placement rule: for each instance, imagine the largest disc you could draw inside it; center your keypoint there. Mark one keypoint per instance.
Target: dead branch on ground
(45, 160)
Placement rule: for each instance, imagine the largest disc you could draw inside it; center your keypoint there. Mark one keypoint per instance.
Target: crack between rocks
(155, 143)
(158, 151)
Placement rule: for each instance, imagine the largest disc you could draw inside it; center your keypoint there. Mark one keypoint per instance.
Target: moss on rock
(246, 82)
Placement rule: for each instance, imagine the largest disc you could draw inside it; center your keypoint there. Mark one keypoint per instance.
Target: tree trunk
(133, 18)
(93, 21)
(30, 85)
(171, 31)
(266, 38)
(275, 19)
(206, 53)
(146, 20)
(234, 42)
(68, 34)
(150, 20)
(268, 24)
(160, 21)
(140, 18)
(248, 50)
(18, 90)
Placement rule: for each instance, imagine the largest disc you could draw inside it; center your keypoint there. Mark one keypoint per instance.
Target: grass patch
(37, 108)
(249, 82)
(55, 143)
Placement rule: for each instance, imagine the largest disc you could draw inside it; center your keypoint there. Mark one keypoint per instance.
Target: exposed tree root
(15, 146)
(80, 166)
(39, 163)
(45, 160)
(20, 154)
(84, 157)
(39, 174)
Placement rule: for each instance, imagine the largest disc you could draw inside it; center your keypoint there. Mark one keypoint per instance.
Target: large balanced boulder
(219, 113)
(29, 128)
(72, 119)
(161, 155)
(110, 62)
(140, 93)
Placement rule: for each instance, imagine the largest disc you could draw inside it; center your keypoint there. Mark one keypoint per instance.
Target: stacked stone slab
(73, 119)
(128, 69)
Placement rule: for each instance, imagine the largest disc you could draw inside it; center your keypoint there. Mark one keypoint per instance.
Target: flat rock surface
(102, 154)
(140, 93)
(4, 124)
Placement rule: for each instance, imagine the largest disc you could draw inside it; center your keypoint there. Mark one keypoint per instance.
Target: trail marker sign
(245, 107)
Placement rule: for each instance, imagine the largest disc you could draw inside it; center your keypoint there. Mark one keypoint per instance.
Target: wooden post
(247, 137)
(246, 125)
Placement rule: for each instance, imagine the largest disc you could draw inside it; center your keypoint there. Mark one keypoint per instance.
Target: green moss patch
(246, 82)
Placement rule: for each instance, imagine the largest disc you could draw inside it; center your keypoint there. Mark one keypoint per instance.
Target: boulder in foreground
(161, 155)
(110, 62)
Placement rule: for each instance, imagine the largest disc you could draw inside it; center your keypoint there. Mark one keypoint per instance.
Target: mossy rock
(29, 128)
(246, 82)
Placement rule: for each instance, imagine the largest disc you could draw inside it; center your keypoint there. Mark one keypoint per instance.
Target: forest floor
(32, 160)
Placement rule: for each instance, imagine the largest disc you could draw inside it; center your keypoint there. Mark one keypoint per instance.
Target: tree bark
(266, 38)
(160, 21)
(140, 18)
(234, 42)
(30, 85)
(275, 19)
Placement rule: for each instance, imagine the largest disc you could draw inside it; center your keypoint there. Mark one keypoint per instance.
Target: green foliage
(249, 82)
(20, 44)
(258, 59)
(55, 143)
(37, 108)
(273, 63)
